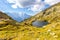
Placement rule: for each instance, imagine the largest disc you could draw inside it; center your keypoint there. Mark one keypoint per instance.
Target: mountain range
(18, 16)
(43, 26)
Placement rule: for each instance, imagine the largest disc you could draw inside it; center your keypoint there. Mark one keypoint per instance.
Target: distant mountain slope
(18, 17)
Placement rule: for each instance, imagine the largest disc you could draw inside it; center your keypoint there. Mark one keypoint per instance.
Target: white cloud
(34, 5)
(41, 5)
(38, 1)
(22, 3)
(14, 6)
(52, 2)
(11, 1)
(16, 3)
(37, 7)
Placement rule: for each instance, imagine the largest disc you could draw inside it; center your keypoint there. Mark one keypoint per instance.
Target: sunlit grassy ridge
(12, 30)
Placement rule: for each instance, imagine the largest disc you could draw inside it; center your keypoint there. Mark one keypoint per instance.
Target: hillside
(49, 14)
(7, 25)
(4, 16)
(50, 31)
(5, 19)
(43, 26)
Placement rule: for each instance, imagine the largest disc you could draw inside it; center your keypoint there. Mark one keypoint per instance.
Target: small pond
(39, 23)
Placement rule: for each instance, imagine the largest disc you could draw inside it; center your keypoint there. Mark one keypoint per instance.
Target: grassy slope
(25, 31)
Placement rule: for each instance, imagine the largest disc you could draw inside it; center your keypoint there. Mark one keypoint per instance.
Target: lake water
(39, 23)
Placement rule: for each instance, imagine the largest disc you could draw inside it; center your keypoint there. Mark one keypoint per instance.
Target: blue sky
(30, 7)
